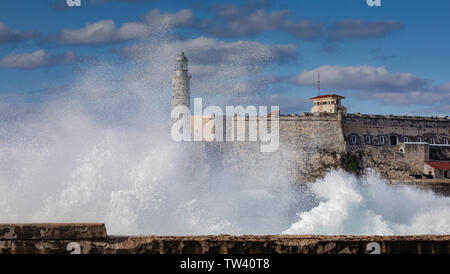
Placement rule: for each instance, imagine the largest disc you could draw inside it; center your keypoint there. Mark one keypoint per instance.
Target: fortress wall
(308, 145)
(386, 158)
(92, 239)
(400, 126)
(311, 143)
(389, 163)
(318, 140)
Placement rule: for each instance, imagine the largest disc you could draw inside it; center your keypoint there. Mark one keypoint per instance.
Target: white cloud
(155, 18)
(102, 32)
(362, 78)
(377, 83)
(106, 31)
(39, 58)
(228, 21)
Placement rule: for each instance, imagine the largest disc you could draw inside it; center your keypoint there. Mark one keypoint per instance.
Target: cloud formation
(366, 78)
(238, 22)
(155, 18)
(227, 21)
(102, 32)
(254, 18)
(358, 29)
(377, 83)
(10, 35)
(106, 31)
(36, 59)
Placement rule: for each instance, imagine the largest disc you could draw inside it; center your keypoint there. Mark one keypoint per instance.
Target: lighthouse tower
(180, 83)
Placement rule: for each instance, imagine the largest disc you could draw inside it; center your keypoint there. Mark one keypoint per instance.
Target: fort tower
(328, 103)
(180, 83)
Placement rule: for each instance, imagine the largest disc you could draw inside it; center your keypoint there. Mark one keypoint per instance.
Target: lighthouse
(181, 83)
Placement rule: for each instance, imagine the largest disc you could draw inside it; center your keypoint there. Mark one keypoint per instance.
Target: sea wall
(92, 239)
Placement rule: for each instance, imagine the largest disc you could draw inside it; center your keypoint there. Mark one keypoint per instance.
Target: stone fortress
(398, 147)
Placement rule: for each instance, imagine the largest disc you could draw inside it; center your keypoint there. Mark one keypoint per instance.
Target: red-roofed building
(439, 170)
(328, 104)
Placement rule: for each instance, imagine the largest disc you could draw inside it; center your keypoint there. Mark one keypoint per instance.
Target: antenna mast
(318, 84)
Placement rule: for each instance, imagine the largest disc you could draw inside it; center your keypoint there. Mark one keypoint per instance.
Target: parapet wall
(92, 239)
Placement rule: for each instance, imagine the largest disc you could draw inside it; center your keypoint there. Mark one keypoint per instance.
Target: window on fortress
(405, 139)
(432, 141)
(367, 139)
(394, 140)
(445, 141)
(353, 139)
(382, 140)
(419, 140)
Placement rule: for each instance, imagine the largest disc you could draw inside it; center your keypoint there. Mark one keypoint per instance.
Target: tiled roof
(327, 96)
(439, 165)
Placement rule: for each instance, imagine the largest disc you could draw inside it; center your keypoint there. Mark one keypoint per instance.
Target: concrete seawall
(93, 239)
(422, 182)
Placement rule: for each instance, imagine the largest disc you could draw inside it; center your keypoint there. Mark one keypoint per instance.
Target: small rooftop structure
(327, 96)
(439, 165)
(328, 103)
(439, 170)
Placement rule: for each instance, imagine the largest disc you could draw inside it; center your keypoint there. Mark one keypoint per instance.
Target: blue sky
(392, 59)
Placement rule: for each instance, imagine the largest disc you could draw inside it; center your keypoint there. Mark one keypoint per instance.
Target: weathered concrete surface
(92, 239)
(52, 231)
(422, 182)
(278, 244)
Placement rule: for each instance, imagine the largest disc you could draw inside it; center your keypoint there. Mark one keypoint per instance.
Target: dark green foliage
(350, 163)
